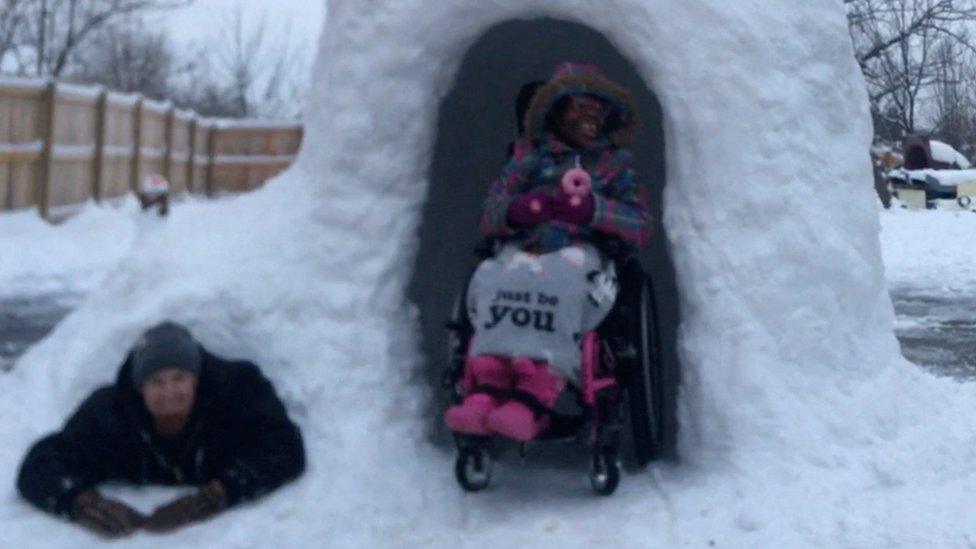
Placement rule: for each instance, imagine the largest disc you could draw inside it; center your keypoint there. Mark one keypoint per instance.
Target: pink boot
(469, 416)
(516, 420)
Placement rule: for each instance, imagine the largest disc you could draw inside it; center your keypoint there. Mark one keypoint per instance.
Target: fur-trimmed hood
(574, 78)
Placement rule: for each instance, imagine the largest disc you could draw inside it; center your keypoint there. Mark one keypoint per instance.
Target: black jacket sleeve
(81, 455)
(268, 450)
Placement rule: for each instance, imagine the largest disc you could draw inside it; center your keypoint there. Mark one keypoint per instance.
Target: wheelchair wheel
(645, 386)
(604, 472)
(473, 469)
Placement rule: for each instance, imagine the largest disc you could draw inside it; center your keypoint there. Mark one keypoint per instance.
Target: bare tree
(895, 43)
(245, 74)
(52, 30)
(126, 57)
(245, 70)
(13, 16)
(954, 109)
(256, 76)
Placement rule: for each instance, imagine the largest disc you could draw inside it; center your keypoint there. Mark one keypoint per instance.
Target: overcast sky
(291, 32)
(300, 20)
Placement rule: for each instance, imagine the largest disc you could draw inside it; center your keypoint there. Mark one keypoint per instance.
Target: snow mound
(949, 178)
(802, 425)
(931, 248)
(66, 258)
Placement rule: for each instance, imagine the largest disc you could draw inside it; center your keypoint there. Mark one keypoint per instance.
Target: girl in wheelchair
(569, 181)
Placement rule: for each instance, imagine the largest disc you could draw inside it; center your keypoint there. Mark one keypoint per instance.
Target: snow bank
(16, 82)
(801, 423)
(72, 257)
(949, 178)
(256, 124)
(944, 152)
(78, 92)
(158, 107)
(930, 248)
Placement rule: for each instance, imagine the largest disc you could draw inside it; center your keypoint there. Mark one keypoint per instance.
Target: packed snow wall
(778, 272)
(476, 124)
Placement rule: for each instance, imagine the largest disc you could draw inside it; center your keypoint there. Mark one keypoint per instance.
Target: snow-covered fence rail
(61, 144)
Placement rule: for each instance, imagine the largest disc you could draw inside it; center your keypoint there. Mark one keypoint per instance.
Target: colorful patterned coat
(620, 204)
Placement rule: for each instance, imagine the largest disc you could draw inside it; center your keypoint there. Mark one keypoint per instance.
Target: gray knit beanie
(168, 345)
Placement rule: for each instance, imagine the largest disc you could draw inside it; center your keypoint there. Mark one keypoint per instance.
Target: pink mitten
(530, 209)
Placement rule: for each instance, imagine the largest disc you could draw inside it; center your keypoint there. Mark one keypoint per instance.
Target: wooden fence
(61, 144)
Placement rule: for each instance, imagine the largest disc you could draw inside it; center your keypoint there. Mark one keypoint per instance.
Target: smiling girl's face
(582, 120)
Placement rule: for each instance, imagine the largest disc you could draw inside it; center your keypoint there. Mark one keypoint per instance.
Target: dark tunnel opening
(476, 123)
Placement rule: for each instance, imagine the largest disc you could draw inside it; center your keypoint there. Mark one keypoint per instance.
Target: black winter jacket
(238, 432)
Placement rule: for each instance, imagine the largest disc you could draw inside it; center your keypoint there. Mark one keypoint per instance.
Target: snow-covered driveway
(930, 264)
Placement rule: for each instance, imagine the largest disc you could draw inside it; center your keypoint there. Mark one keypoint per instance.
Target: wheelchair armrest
(613, 247)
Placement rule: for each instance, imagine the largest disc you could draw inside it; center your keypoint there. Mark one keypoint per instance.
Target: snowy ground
(26, 318)
(933, 281)
(802, 426)
(46, 270)
(930, 267)
(69, 258)
(937, 331)
(931, 249)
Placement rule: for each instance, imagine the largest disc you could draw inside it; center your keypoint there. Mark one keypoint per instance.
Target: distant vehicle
(937, 184)
(934, 175)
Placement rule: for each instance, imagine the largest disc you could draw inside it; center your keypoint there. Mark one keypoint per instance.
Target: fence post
(99, 159)
(211, 154)
(168, 120)
(136, 146)
(192, 162)
(42, 183)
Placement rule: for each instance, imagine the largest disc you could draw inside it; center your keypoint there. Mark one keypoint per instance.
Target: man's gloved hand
(529, 209)
(575, 209)
(105, 516)
(205, 503)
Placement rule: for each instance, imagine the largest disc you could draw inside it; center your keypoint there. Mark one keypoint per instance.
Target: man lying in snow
(175, 415)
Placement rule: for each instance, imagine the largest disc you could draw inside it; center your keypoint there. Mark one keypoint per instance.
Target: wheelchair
(625, 385)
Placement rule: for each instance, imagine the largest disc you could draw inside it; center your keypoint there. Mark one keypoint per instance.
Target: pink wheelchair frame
(599, 393)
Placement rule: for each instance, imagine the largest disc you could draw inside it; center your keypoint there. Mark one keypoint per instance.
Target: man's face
(582, 121)
(170, 393)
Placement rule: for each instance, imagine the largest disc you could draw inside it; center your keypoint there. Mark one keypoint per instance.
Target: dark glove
(575, 209)
(106, 516)
(207, 502)
(529, 209)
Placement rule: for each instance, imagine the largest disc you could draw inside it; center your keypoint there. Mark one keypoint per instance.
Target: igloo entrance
(475, 125)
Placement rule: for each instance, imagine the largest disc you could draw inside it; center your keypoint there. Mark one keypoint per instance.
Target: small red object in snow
(154, 192)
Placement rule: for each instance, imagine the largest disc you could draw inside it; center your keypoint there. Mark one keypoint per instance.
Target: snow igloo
(754, 125)
(794, 394)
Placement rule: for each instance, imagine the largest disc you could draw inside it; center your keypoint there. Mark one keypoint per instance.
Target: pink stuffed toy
(575, 204)
(577, 184)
